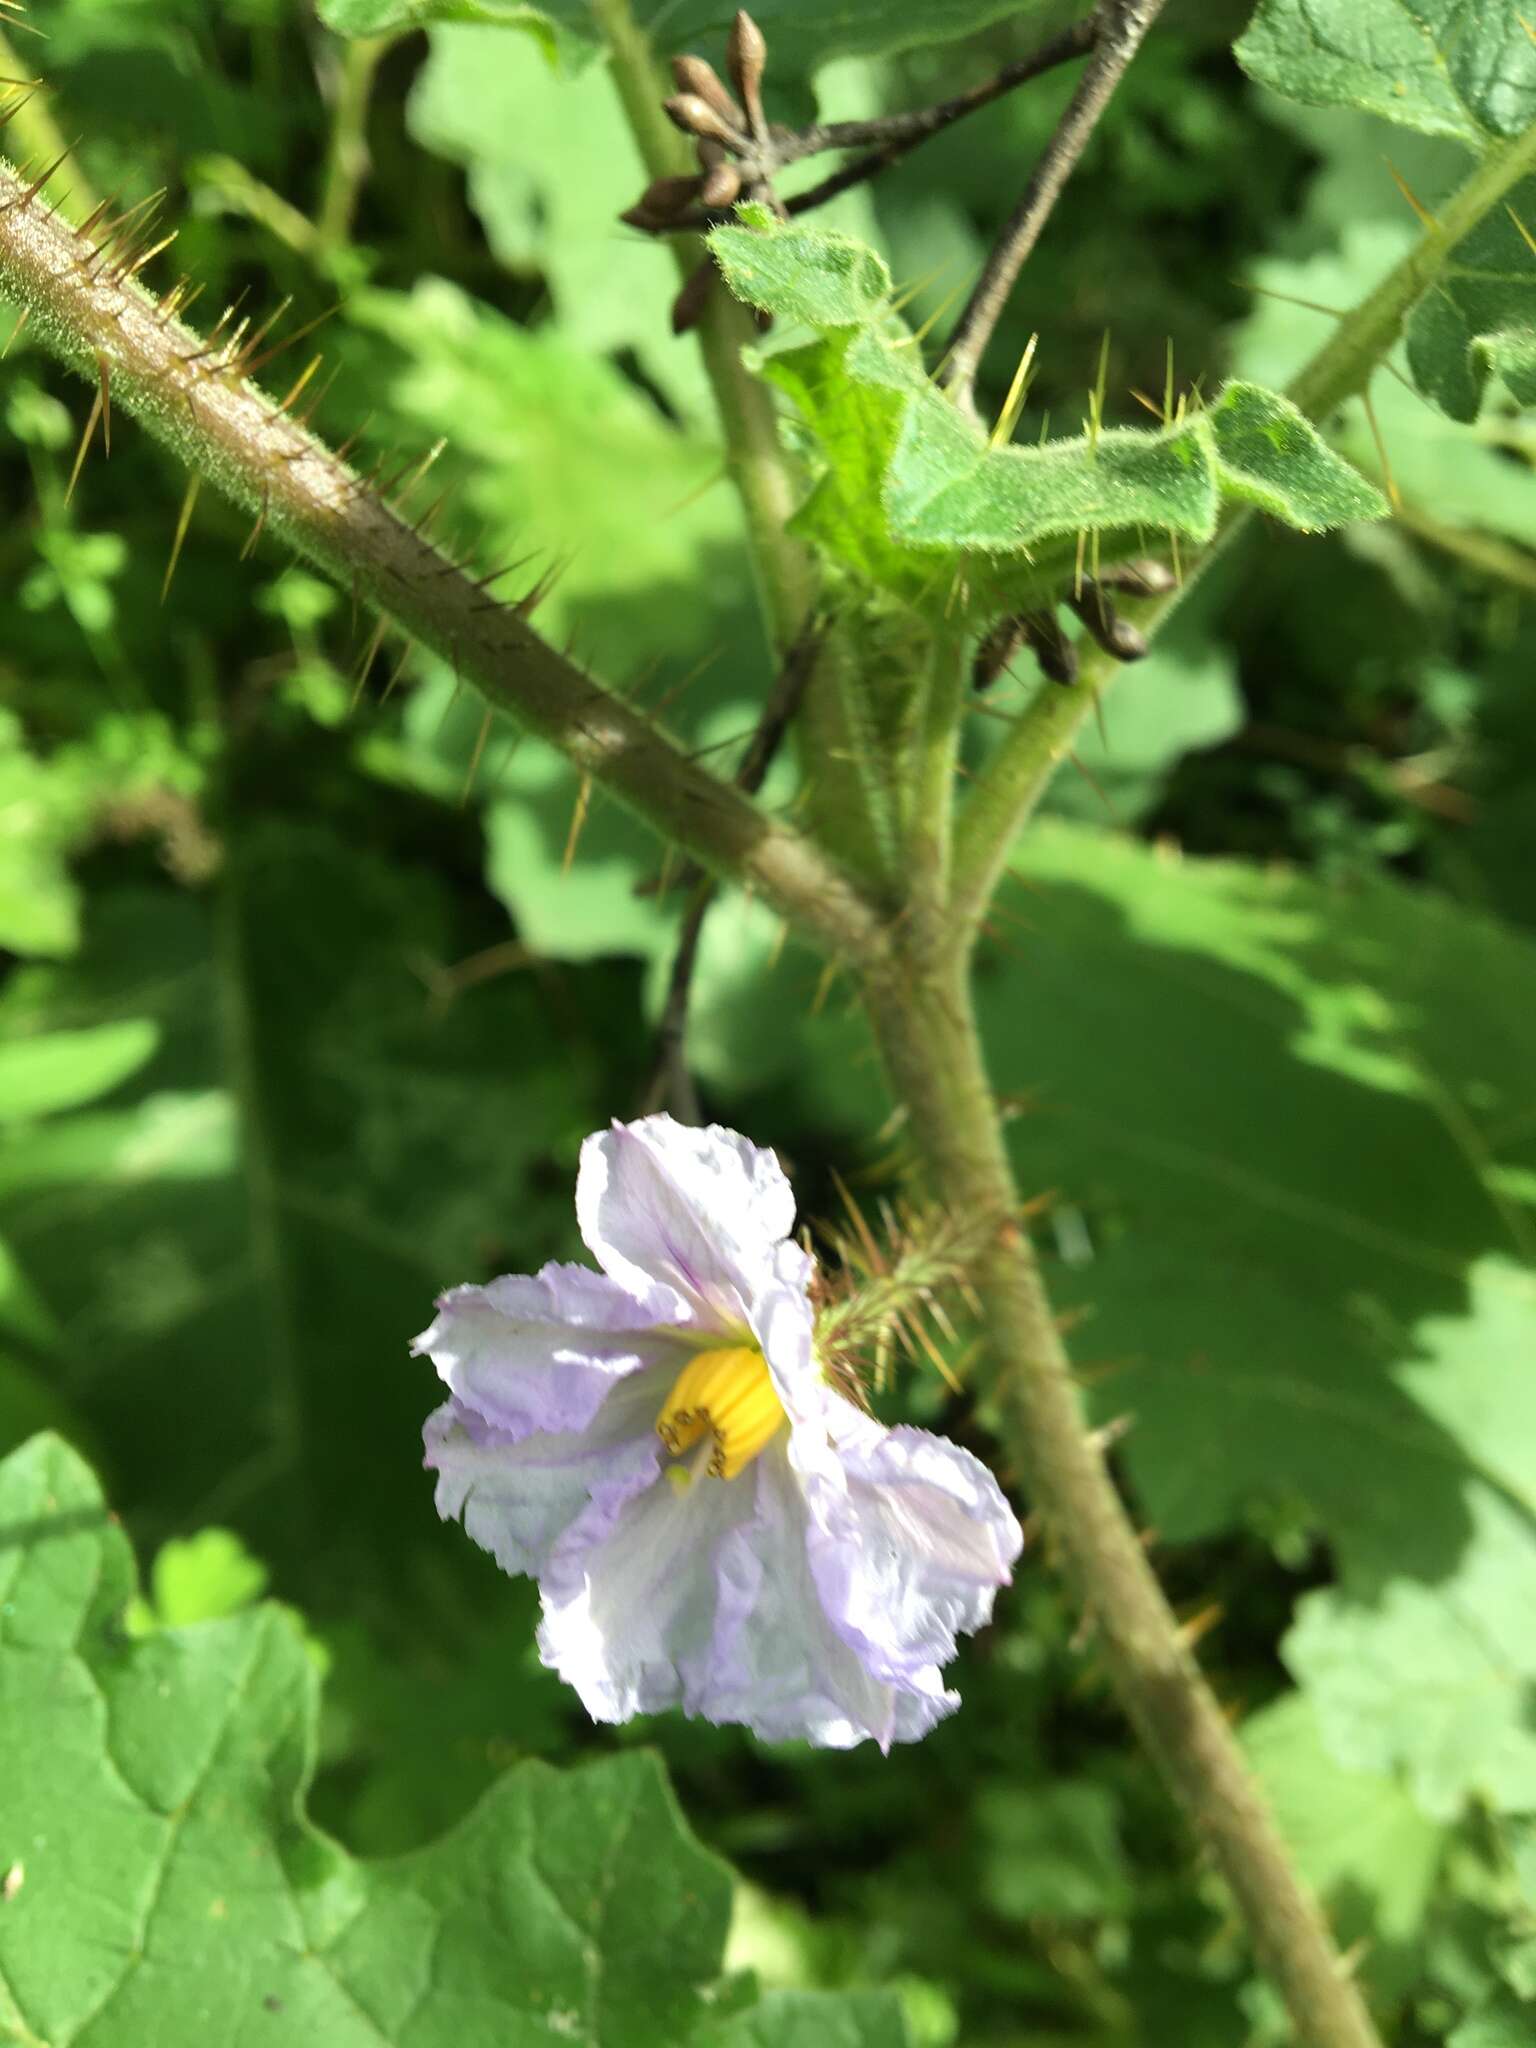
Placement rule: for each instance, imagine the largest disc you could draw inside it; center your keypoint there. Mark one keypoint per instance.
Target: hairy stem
(926, 1029)
(86, 306)
(1119, 27)
(1006, 794)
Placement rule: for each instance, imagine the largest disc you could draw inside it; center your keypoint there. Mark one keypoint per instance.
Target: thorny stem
(89, 311)
(1005, 795)
(1119, 27)
(25, 107)
(925, 1025)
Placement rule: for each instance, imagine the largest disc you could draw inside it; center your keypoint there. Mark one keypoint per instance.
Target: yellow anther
(730, 1393)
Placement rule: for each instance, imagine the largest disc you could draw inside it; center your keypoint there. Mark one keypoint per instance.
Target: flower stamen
(731, 1394)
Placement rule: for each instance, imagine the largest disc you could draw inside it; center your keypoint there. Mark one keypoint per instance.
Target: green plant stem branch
(843, 800)
(346, 161)
(924, 1023)
(191, 395)
(1009, 789)
(932, 807)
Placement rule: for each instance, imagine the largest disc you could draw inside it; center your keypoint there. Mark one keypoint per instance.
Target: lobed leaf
(910, 495)
(164, 1879)
(1480, 321)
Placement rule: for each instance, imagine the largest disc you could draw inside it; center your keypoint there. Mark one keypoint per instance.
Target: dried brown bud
(1115, 635)
(746, 56)
(996, 651)
(689, 303)
(720, 187)
(668, 197)
(1145, 577)
(1053, 650)
(697, 117)
(695, 76)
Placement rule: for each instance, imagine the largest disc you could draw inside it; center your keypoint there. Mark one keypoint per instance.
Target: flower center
(729, 1393)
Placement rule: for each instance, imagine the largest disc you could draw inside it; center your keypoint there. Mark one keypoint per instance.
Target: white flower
(712, 1525)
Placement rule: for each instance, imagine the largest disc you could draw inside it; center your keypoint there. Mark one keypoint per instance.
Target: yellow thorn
(1168, 383)
(103, 376)
(26, 315)
(398, 670)
(85, 441)
(370, 654)
(1018, 391)
(1425, 218)
(254, 536)
(474, 759)
(1524, 231)
(578, 819)
(194, 485)
(1393, 494)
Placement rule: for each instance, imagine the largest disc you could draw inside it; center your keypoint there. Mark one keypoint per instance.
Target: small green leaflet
(1011, 520)
(1462, 68)
(163, 1884)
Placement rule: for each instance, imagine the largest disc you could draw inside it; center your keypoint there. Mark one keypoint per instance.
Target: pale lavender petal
(777, 1662)
(629, 1597)
(697, 1210)
(541, 1352)
(519, 1495)
(912, 1554)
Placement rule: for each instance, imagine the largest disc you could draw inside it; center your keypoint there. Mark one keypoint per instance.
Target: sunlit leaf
(1462, 68)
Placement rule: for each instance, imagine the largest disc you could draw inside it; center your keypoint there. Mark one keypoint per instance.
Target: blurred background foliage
(313, 986)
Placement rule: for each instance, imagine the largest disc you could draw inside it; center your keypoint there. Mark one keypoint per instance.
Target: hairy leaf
(1461, 68)
(165, 1882)
(956, 511)
(1272, 455)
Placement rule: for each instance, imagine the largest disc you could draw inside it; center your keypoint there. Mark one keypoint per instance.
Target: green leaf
(245, 1234)
(164, 1880)
(1004, 525)
(1357, 1837)
(1460, 68)
(1480, 320)
(1270, 454)
(813, 2019)
(1440, 466)
(551, 165)
(826, 280)
(1506, 2024)
(39, 1076)
(800, 36)
(1438, 1679)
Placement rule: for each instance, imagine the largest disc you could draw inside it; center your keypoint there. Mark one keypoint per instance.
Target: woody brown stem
(196, 397)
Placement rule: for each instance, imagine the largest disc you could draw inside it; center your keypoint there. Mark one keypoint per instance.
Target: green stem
(346, 163)
(924, 1022)
(193, 397)
(931, 815)
(1006, 794)
(835, 725)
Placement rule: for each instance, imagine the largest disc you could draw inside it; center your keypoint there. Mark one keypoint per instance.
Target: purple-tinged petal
(697, 1210)
(629, 1596)
(519, 1495)
(541, 1352)
(912, 1555)
(776, 1661)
